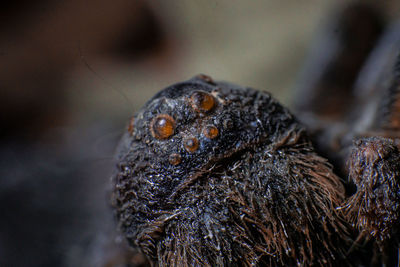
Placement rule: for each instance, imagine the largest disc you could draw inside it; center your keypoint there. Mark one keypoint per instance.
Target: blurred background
(73, 72)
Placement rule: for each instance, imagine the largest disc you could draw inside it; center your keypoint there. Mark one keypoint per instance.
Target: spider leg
(374, 158)
(388, 115)
(374, 166)
(324, 95)
(334, 63)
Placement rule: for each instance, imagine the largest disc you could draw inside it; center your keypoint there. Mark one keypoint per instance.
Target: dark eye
(191, 144)
(202, 101)
(175, 159)
(162, 126)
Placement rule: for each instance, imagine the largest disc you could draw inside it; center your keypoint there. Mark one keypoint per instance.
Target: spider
(210, 173)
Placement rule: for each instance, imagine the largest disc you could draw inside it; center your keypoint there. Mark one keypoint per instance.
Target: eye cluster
(182, 125)
(194, 124)
(163, 126)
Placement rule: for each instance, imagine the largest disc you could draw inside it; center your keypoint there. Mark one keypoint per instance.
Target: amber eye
(162, 126)
(175, 159)
(202, 101)
(191, 144)
(131, 125)
(210, 131)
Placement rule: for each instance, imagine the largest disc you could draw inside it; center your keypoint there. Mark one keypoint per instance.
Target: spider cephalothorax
(212, 173)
